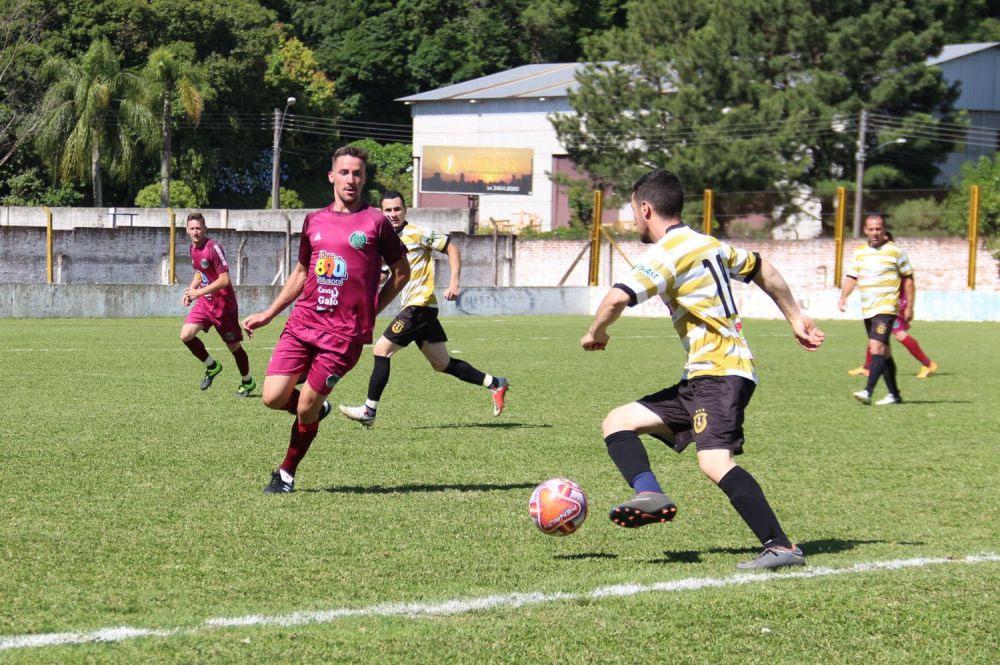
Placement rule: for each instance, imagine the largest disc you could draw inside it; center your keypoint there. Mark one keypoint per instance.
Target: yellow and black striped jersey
(420, 242)
(879, 272)
(690, 271)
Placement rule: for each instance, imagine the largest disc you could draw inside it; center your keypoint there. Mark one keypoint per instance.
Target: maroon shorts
(324, 357)
(227, 324)
(900, 325)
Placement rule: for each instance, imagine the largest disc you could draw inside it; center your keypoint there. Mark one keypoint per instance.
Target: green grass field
(129, 498)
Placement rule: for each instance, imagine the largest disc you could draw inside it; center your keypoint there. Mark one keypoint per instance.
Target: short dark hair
(662, 190)
(197, 216)
(393, 194)
(350, 151)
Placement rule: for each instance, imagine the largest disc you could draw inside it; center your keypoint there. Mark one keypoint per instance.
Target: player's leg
(879, 328)
(621, 429)
(365, 414)
(432, 341)
(864, 370)
(231, 333)
(911, 344)
(190, 339)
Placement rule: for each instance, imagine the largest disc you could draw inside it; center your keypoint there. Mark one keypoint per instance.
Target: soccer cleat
(279, 486)
(325, 410)
(246, 389)
(360, 414)
(210, 375)
(642, 509)
(498, 394)
(858, 371)
(927, 370)
(890, 399)
(775, 557)
(863, 396)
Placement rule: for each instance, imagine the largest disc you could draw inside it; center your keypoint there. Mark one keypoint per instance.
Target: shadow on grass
(827, 546)
(409, 489)
(935, 401)
(484, 426)
(586, 555)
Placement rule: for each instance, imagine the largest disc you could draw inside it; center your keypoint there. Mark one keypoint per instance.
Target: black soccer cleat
(279, 486)
(642, 509)
(210, 375)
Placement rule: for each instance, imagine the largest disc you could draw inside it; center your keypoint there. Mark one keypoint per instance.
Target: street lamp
(859, 183)
(279, 124)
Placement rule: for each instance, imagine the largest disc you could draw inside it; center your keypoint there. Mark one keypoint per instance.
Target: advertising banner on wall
(475, 170)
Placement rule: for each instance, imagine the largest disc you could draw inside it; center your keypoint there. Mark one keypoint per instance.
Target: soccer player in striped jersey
(900, 330)
(418, 321)
(880, 268)
(691, 273)
(215, 305)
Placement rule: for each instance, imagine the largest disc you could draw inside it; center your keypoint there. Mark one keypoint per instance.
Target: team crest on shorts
(700, 421)
(358, 240)
(397, 326)
(204, 263)
(230, 336)
(331, 381)
(880, 328)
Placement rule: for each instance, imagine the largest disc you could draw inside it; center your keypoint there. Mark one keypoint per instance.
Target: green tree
(390, 166)
(93, 116)
(181, 196)
(986, 173)
(172, 82)
(749, 96)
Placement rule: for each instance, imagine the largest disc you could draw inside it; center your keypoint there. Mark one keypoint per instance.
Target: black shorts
(707, 410)
(879, 327)
(415, 324)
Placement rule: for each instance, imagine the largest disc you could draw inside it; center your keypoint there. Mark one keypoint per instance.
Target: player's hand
(808, 336)
(451, 293)
(190, 294)
(186, 300)
(908, 313)
(842, 305)
(594, 341)
(253, 322)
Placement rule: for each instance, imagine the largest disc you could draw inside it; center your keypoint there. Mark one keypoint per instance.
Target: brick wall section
(940, 264)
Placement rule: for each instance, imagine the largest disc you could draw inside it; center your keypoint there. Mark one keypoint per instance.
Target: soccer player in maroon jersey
(335, 287)
(215, 305)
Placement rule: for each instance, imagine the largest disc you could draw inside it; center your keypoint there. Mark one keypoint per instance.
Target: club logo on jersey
(397, 326)
(358, 240)
(332, 380)
(330, 269)
(880, 328)
(204, 263)
(700, 421)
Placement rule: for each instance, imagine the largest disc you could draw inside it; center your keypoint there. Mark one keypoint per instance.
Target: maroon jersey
(343, 252)
(209, 262)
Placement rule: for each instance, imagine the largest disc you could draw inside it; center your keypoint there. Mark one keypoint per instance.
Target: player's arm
(910, 291)
(849, 284)
(612, 305)
(195, 281)
(774, 285)
(455, 264)
(397, 280)
(221, 282)
(292, 289)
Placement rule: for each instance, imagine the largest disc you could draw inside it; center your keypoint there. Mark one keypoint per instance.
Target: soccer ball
(558, 507)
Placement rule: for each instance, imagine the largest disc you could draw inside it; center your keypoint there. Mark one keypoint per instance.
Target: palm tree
(93, 115)
(167, 73)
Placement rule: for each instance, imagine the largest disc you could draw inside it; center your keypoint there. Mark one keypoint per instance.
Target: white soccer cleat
(359, 414)
(889, 399)
(863, 396)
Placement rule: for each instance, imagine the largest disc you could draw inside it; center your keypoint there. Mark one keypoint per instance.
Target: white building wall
(479, 127)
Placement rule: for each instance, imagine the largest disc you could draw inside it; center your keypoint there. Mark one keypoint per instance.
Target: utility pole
(279, 123)
(859, 158)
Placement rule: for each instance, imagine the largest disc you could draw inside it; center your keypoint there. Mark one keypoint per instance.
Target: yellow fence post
(48, 243)
(839, 235)
(172, 272)
(595, 239)
(973, 232)
(706, 221)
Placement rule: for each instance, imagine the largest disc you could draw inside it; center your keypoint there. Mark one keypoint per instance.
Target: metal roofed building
(976, 67)
(497, 122)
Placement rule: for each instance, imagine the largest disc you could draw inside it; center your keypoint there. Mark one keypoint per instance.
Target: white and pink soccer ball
(558, 507)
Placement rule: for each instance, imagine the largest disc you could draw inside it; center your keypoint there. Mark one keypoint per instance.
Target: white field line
(482, 604)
